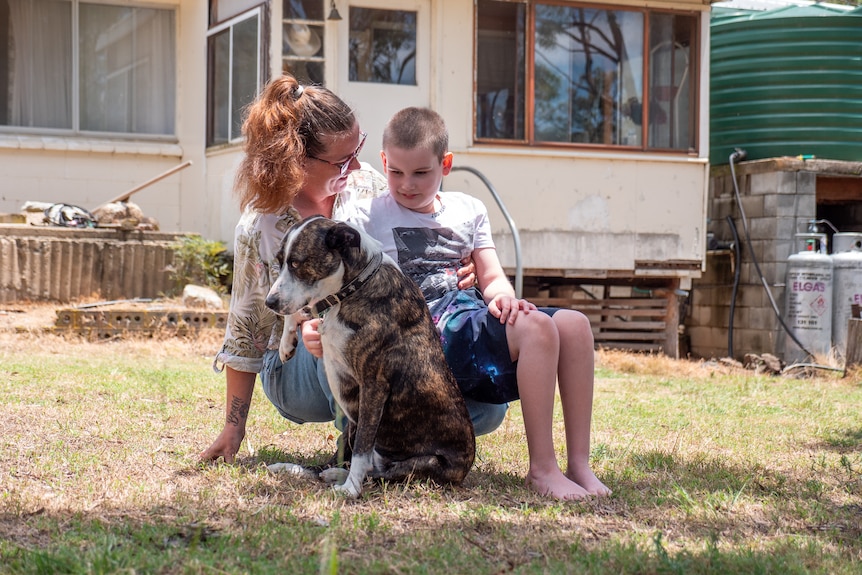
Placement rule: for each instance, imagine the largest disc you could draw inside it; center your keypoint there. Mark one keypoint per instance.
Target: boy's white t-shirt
(428, 247)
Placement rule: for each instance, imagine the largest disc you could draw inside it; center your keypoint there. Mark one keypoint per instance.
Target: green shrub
(201, 262)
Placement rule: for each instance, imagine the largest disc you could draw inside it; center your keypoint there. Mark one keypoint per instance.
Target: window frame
(529, 139)
(260, 13)
(75, 103)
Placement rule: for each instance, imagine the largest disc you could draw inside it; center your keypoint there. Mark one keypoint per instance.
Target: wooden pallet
(648, 324)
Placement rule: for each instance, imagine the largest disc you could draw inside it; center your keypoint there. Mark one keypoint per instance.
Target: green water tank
(786, 82)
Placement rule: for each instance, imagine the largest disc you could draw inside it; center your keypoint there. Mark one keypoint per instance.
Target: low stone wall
(39, 263)
(779, 197)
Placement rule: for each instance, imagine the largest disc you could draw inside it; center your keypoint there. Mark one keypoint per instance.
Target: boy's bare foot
(555, 485)
(586, 479)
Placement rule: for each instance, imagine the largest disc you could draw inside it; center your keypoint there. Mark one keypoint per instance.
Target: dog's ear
(342, 236)
(279, 255)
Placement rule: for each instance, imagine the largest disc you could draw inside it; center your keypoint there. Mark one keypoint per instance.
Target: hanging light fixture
(333, 14)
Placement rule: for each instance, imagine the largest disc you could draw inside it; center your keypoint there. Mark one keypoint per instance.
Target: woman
(301, 147)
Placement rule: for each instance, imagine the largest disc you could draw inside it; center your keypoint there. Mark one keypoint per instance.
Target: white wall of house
(591, 211)
(89, 171)
(592, 214)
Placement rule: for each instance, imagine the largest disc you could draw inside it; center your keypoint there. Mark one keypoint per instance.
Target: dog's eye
(294, 263)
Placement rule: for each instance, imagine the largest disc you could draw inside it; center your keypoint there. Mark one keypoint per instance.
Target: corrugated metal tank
(786, 82)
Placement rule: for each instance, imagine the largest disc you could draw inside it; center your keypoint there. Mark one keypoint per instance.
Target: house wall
(221, 169)
(594, 215)
(88, 172)
(643, 207)
(589, 212)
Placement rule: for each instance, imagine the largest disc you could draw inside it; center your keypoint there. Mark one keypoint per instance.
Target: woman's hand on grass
(225, 446)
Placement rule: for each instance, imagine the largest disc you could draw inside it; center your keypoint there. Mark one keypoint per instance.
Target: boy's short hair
(414, 127)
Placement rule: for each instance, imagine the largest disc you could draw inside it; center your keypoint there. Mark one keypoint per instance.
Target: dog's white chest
(334, 337)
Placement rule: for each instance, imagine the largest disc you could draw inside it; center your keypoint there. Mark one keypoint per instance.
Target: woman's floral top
(252, 328)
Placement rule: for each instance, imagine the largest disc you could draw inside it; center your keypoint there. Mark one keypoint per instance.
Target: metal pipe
(739, 154)
(737, 266)
(519, 269)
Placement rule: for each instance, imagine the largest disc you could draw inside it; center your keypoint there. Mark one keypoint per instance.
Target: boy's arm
(496, 289)
(490, 276)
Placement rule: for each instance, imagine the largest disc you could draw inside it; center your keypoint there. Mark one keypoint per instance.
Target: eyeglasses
(344, 166)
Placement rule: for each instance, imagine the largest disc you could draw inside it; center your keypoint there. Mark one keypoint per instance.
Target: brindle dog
(382, 355)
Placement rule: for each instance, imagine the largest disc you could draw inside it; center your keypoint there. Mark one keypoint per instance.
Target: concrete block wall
(64, 265)
(778, 198)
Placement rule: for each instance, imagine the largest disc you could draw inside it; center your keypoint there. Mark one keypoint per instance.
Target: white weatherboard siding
(584, 211)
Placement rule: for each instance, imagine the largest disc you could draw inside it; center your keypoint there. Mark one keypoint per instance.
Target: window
(302, 40)
(671, 85)
(382, 46)
(234, 60)
(81, 67)
(551, 74)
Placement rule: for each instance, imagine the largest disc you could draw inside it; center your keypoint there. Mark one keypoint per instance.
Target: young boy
(500, 348)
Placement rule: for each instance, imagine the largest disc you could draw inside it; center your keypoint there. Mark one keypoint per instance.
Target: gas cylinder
(808, 298)
(847, 284)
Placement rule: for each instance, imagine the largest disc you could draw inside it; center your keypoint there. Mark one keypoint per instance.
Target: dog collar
(321, 306)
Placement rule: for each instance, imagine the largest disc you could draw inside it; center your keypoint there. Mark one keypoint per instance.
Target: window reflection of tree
(587, 75)
(382, 46)
(581, 103)
(390, 65)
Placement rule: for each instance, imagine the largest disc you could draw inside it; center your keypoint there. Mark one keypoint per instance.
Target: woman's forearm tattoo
(238, 411)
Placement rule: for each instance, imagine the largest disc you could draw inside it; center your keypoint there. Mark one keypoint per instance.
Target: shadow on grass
(716, 496)
(845, 441)
(697, 495)
(669, 514)
(278, 541)
(155, 541)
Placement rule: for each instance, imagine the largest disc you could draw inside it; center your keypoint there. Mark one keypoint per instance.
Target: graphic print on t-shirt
(431, 257)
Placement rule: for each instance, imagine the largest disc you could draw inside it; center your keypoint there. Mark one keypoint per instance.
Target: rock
(110, 213)
(127, 215)
(201, 297)
(729, 361)
(766, 363)
(773, 364)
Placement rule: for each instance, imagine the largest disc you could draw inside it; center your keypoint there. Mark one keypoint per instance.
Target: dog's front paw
(285, 352)
(341, 482)
(347, 489)
(289, 339)
(334, 476)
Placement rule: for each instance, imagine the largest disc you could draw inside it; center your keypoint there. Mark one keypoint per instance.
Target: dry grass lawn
(714, 469)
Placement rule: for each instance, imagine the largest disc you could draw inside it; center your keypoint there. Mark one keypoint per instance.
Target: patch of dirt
(22, 323)
(28, 317)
